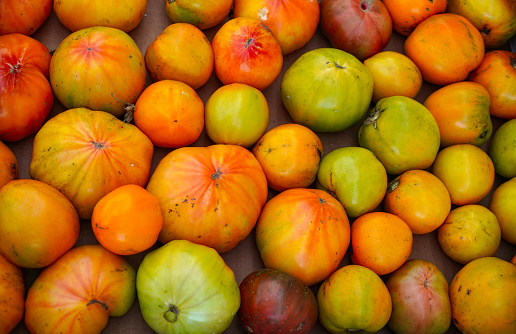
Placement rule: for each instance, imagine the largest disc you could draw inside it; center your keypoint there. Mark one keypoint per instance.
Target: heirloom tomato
(466, 171)
(275, 302)
(209, 195)
(503, 205)
(461, 110)
(420, 300)
(38, 224)
(360, 27)
(203, 14)
(289, 155)
(303, 232)
(80, 291)
(26, 97)
(292, 22)
(483, 297)
(170, 113)
(79, 14)
(184, 287)
(353, 300)
(12, 290)
(407, 14)
(246, 52)
(8, 165)
(445, 47)
(502, 149)
(85, 154)
(181, 52)
(326, 90)
(355, 176)
(402, 133)
(98, 68)
(497, 73)
(23, 17)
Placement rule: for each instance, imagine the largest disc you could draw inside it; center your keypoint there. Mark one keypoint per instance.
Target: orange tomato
(503, 205)
(513, 260)
(170, 113)
(181, 52)
(467, 172)
(380, 241)
(445, 47)
(420, 199)
(127, 220)
(23, 17)
(469, 232)
(12, 290)
(462, 113)
(203, 14)
(8, 165)
(407, 14)
(289, 155)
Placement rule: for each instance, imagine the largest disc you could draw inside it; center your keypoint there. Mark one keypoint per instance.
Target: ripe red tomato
(23, 17)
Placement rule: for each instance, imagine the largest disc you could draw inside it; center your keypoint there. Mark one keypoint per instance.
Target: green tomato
(327, 90)
(502, 149)
(184, 287)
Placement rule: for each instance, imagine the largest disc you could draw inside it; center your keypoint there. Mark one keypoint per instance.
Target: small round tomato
(502, 149)
(420, 199)
(393, 74)
(503, 205)
(466, 171)
(12, 290)
(8, 165)
(407, 14)
(170, 113)
(469, 232)
(289, 155)
(127, 220)
(236, 114)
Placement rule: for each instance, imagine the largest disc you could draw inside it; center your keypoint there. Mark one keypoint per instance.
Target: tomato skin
(203, 14)
(23, 17)
(502, 149)
(503, 205)
(26, 97)
(12, 290)
(407, 14)
(8, 165)
(80, 291)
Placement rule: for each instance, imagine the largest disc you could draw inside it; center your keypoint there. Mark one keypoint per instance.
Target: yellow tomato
(503, 205)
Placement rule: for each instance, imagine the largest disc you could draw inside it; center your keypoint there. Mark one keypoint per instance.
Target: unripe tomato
(503, 205)
(502, 149)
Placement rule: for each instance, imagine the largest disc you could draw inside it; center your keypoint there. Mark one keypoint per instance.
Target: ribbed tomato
(23, 17)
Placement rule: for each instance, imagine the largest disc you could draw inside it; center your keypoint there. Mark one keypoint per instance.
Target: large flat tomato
(209, 195)
(80, 291)
(86, 154)
(8, 165)
(12, 290)
(97, 68)
(26, 97)
(292, 22)
(23, 17)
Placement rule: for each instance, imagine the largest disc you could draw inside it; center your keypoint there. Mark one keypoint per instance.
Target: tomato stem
(129, 110)
(172, 309)
(95, 301)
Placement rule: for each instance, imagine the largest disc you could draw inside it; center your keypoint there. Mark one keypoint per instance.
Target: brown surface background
(244, 258)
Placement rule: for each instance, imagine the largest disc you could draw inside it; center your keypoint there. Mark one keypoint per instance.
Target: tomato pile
(257, 166)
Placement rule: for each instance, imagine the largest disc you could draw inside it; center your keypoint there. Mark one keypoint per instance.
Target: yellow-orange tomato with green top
(203, 14)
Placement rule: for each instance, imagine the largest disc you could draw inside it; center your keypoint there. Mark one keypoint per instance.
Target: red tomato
(23, 16)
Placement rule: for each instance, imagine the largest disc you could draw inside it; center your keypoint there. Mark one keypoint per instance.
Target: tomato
(466, 171)
(246, 52)
(462, 113)
(393, 74)
(79, 14)
(497, 73)
(12, 290)
(181, 52)
(360, 27)
(127, 220)
(203, 14)
(407, 14)
(275, 302)
(445, 47)
(80, 291)
(402, 133)
(170, 113)
(503, 205)
(209, 195)
(98, 68)
(483, 297)
(38, 224)
(380, 241)
(26, 97)
(289, 155)
(420, 199)
(8, 165)
(236, 114)
(469, 232)
(292, 22)
(502, 149)
(86, 154)
(303, 232)
(23, 17)
(355, 176)
(326, 90)
(185, 287)
(495, 20)
(354, 299)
